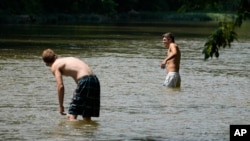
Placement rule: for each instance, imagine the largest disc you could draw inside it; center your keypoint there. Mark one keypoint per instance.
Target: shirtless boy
(172, 61)
(86, 97)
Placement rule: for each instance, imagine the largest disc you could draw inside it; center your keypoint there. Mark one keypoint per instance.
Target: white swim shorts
(173, 79)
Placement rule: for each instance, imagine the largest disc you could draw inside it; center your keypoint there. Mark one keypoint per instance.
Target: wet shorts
(173, 79)
(86, 97)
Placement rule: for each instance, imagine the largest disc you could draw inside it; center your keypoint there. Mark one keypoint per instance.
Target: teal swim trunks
(86, 97)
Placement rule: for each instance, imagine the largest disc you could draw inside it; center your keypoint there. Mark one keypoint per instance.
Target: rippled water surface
(134, 105)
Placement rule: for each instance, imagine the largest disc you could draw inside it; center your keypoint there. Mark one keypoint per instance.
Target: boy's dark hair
(169, 35)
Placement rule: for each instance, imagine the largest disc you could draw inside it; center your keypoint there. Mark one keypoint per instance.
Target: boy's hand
(61, 109)
(163, 64)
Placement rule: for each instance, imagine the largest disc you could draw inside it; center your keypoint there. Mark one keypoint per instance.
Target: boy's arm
(173, 52)
(60, 89)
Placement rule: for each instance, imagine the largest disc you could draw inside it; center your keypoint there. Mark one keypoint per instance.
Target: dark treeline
(107, 7)
(122, 11)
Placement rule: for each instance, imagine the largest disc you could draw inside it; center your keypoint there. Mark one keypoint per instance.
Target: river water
(214, 94)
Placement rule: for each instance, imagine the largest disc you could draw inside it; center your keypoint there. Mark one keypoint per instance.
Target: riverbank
(130, 17)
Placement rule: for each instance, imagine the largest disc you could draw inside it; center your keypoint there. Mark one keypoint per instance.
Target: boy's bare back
(71, 66)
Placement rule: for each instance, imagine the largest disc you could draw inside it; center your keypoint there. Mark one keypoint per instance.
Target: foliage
(243, 12)
(208, 5)
(225, 34)
(222, 37)
(57, 6)
(100, 6)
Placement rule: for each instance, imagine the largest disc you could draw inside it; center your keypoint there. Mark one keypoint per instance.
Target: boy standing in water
(172, 61)
(86, 97)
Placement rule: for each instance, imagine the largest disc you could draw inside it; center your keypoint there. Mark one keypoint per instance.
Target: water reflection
(76, 128)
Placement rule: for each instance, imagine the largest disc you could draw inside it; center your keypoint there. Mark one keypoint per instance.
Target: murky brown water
(134, 104)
